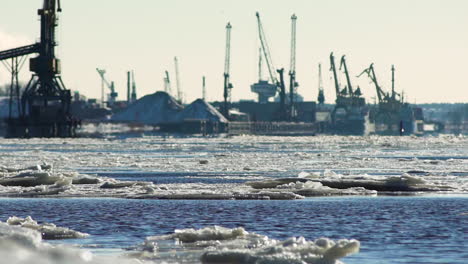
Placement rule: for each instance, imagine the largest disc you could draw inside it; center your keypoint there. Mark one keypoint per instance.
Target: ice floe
(20, 245)
(217, 244)
(342, 165)
(331, 183)
(21, 241)
(47, 230)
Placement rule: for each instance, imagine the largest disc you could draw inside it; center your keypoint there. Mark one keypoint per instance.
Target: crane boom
(348, 80)
(371, 73)
(101, 73)
(113, 94)
(333, 69)
(266, 51)
(167, 84)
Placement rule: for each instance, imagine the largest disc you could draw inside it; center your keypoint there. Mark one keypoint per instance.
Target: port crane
(350, 91)
(350, 107)
(112, 97)
(227, 64)
(134, 94)
(272, 70)
(346, 97)
(45, 103)
(321, 94)
(179, 91)
(293, 84)
(390, 106)
(339, 92)
(384, 98)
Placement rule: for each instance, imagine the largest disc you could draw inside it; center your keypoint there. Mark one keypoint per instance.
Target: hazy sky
(426, 40)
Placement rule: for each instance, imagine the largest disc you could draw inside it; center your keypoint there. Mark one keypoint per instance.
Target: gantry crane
(112, 97)
(292, 68)
(45, 102)
(272, 70)
(227, 64)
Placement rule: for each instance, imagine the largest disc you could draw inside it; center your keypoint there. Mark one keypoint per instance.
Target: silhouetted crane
(45, 102)
(227, 64)
(112, 98)
(271, 69)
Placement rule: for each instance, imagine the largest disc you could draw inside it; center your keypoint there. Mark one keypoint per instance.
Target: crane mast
(134, 95)
(204, 88)
(227, 64)
(179, 91)
(321, 95)
(292, 68)
(393, 83)
(129, 86)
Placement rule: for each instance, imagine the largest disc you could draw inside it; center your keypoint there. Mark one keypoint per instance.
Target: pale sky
(426, 40)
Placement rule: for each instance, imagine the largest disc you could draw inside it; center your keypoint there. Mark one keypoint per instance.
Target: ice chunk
(20, 245)
(223, 245)
(208, 233)
(48, 231)
(405, 180)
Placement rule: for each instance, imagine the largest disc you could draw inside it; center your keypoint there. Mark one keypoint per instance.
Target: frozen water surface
(426, 229)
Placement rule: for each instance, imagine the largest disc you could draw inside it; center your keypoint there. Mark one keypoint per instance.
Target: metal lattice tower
(45, 102)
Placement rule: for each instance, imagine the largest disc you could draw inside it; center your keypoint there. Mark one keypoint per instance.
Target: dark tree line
(5, 89)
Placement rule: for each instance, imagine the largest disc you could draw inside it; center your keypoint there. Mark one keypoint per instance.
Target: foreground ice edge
(20, 244)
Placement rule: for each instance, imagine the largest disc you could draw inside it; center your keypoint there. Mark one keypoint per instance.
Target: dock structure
(44, 105)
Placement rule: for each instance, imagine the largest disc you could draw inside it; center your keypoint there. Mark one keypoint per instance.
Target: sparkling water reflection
(391, 229)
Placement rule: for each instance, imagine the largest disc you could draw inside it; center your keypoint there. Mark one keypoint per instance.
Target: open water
(390, 229)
